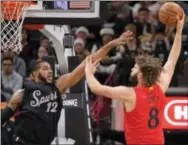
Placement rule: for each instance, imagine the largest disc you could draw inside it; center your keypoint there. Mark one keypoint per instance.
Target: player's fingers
(129, 33)
(126, 33)
(87, 60)
(183, 17)
(178, 17)
(130, 38)
(90, 59)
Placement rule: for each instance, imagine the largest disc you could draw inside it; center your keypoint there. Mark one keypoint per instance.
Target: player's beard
(42, 78)
(133, 79)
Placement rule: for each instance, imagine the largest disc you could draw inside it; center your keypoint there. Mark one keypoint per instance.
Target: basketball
(168, 13)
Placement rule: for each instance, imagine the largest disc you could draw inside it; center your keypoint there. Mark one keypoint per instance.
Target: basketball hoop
(13, 14)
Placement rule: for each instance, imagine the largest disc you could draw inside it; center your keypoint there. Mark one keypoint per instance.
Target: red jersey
(143, 125)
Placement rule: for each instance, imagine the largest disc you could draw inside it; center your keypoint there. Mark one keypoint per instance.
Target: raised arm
(121, 92)
(169, 67)
(70, 79)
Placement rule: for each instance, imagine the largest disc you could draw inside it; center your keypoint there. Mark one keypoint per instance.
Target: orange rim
(34, 26)
(12, 10)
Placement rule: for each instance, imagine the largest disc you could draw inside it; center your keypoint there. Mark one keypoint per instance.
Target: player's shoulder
(128, 93)
(127, 88)
(32, 85)
(158, 86)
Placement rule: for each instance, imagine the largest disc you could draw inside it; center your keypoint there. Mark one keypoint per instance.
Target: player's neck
(139, 84)
(35, 79)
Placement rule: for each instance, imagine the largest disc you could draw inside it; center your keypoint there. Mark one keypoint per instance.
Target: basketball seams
(168, 13)
(163, 11)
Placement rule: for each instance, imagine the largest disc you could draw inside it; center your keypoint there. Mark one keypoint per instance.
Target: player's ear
(139, 75)
(34, 76)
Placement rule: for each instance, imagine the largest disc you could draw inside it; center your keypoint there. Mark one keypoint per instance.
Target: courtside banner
(176, 113)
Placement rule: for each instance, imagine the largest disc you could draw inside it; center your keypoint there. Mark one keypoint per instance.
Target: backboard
(63, 12)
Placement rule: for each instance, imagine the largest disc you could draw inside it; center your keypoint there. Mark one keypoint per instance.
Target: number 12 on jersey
(52, 107)
(153, 121)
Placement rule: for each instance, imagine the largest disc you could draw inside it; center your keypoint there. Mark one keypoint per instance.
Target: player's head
(147, 70)
(42, 72)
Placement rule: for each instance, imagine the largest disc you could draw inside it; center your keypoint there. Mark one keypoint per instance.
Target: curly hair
(150, 68)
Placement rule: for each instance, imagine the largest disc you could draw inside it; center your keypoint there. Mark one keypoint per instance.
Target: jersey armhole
(134, 89)
(160, 88)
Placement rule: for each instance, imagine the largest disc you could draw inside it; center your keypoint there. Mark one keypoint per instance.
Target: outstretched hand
(128, 35)
(180, 22)
(91, 67)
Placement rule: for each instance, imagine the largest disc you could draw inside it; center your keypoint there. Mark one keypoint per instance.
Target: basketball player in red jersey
(143, 104)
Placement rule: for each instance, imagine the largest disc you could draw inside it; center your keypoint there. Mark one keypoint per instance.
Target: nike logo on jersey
(38, 100)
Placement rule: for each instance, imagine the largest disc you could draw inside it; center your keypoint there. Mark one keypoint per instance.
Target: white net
(12, 17)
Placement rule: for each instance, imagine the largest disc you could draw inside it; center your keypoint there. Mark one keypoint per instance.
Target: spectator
(131, 46)
(117, 4)
(27, 53)
(161, 44)
(185, 41)
(123, 17)
(79, 47)
(152, 6)
(123, 68)
(18, 62)
(44, 42)
(137, 6)
(183, 78)
(108, 64)
(11, 81)
(83, 33)
(145, 44)
(107, 35)
(42, 52)
(112, 10)
(142, 24)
